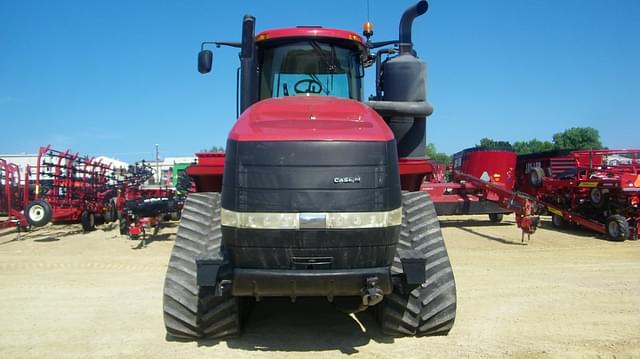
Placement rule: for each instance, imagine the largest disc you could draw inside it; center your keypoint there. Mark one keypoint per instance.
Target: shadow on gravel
(575, 230)
(515, 242)
(47, 239)
(473, 223)
(310, 324)
(151, 239)
(43, 235)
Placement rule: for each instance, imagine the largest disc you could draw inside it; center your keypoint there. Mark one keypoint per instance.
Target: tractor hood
(310, 118)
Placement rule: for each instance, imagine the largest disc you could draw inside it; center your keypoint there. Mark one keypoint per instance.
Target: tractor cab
(310, 61)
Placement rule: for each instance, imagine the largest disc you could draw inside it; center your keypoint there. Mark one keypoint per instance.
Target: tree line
(575, 138)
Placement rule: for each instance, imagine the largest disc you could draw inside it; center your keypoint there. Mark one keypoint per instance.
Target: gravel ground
(64, 293)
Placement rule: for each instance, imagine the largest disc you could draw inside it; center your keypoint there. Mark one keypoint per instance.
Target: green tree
(491, 143)
(535, 145)
(578, 138)
(433, 153)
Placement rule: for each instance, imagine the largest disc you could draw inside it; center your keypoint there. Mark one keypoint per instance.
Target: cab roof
(310, 32)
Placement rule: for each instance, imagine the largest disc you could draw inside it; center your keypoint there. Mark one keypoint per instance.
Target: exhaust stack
(406, 46)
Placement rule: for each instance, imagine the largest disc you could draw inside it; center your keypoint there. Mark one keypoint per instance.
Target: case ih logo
(355, 179)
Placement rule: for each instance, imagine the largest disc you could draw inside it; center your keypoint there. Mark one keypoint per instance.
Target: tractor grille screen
(311, 176)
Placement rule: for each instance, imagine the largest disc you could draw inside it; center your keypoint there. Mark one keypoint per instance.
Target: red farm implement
(596, 189)
(13, 195)
(481, 182)
(71, 188)
(140, 207)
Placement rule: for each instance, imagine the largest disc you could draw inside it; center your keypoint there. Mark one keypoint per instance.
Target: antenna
(368, 12)
(367, 28)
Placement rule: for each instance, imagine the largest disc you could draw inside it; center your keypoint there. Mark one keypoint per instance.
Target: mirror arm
(374, 45)
(220, 43)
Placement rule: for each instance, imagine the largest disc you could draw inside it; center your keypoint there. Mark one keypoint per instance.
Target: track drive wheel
(38, 213)
(190, 311)
(618, 227)
(429, 309)
(88, 221)
(495, 217)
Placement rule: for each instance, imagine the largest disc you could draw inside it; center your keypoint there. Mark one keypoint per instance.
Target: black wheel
(107, 216)
(191, 311)
(618, 227)
(535, 176)
(156, 229)
(429, 309)
(88, 221)
(597, 198)
(123, 223)
(175, 216)
(558, 221)
(111, 212)
(496, 217)
(38, 213)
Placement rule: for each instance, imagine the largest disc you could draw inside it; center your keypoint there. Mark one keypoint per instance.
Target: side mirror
(205, 61)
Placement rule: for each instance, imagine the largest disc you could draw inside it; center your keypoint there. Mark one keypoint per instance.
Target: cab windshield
(310, 68)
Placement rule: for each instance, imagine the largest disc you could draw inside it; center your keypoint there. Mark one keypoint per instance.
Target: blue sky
(116, 77)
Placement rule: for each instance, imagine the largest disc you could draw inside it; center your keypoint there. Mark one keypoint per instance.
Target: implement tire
(496, 217)
(38, 213)
(618, 228)
(430, 308)
(192, 312)
(88, 221)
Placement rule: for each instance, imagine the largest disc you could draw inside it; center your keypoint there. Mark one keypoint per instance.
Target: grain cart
(319, 190)
(595, 189)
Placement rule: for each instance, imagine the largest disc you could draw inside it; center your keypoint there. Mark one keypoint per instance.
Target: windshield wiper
(318, 49)
(315, 77)
(329, 62)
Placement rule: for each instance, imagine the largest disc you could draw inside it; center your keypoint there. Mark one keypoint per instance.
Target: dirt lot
(565, 294)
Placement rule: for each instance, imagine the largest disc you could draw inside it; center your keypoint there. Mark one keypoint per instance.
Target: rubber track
(190, 311)
(429, 309)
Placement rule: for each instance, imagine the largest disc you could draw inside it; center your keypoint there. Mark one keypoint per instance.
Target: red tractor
(319, 193)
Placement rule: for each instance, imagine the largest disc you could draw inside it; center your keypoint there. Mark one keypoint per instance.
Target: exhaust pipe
(248, 79)
(405, 44)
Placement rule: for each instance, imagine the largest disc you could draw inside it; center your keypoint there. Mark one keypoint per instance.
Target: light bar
(315, 220)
